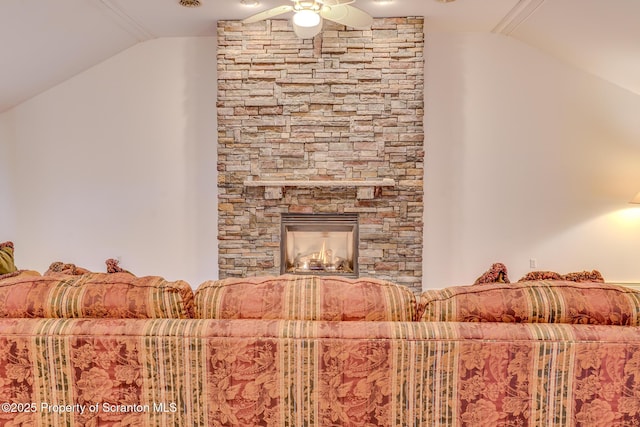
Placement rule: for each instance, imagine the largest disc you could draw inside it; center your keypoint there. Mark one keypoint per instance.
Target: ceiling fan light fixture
(307, 32)
(306, 18)
(308, 15)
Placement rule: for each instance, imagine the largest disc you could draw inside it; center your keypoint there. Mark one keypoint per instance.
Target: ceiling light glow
(306, 18)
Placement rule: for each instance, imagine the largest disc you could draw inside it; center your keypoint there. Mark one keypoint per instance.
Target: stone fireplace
(331, 126)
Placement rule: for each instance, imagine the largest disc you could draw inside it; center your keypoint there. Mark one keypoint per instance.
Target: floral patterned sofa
(119, 350)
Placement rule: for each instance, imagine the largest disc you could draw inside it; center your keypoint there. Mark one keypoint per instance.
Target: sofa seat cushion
(304, 298)
(118, 295)
(541, 301)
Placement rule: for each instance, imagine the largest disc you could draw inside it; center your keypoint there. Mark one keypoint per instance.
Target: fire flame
(323, 252)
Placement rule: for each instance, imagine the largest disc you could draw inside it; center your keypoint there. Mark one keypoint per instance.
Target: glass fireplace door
(319, 244)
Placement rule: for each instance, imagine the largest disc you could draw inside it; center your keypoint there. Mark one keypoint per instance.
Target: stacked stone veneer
(346, 105)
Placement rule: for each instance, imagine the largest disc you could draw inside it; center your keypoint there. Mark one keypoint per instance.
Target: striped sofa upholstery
(249, 372)
(116, 295)
(304, 298)
(63, 362)
(543, 301)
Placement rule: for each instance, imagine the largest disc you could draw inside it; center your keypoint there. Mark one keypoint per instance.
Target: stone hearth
(344, 107)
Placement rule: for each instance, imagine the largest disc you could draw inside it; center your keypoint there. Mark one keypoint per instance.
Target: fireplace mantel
(367, 189)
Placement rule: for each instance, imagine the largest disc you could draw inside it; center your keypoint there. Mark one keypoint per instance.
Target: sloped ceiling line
(516, 16)
(126, 22)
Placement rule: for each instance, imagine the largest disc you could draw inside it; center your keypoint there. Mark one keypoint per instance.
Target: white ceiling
(45, 42)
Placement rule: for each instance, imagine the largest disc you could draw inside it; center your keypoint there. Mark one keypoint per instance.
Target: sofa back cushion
(542, 301)
(119, 295)
(304, 298)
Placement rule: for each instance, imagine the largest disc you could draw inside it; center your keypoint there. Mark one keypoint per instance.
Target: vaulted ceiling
(45, 42)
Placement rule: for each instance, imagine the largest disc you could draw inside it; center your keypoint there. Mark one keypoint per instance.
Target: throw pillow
(496, 274)
(60, 268)
(7, 264)
(540, 275)
(584, 276)
(114, 267)
(580, 276)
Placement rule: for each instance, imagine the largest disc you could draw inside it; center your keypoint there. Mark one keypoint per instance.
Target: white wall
(120, 161)
(7, 211)
(526, 157)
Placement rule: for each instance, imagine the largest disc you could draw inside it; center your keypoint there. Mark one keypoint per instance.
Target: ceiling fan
(308, 15)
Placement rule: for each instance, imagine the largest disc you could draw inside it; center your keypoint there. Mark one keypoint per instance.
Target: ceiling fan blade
(347, 15)
(336, 2)
(270, 13)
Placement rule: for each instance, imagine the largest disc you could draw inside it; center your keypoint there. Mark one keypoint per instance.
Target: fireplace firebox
(323, 244)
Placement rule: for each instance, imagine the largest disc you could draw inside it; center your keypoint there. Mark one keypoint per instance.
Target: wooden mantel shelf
(386, 182)
(367, 189)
